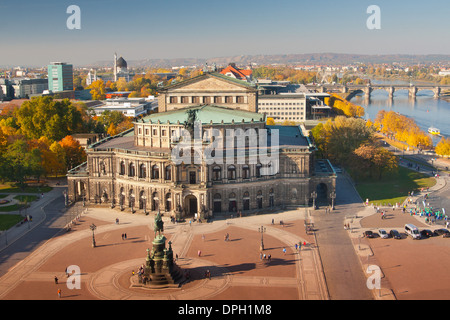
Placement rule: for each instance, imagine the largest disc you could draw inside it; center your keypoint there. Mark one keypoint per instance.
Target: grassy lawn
(10, 188)
(13, 207)
(26, 198)
(395, 187)
(9, 220)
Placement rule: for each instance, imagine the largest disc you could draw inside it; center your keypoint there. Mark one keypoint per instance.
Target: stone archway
(322, 193)
(190, 205)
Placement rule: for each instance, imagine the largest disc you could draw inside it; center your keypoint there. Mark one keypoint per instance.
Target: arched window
(271, 199)
(155, 201)
(232, 205)
(168, 201)
(258, 170)
(246, 201)
(122, 168)
(168, 173)
(259, 199)
(131, 170)
(155, 172)
(142, 171)
(231, 172)
(245, 172)
(217, 203)
(217, 173)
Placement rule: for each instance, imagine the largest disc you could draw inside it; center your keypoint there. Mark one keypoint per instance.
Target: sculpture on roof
(190, 122)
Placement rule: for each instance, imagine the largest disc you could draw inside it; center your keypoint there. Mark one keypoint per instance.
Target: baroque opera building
(208, 152)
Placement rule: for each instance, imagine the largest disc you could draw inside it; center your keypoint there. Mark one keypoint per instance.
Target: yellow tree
(443, 147)
(98, 90)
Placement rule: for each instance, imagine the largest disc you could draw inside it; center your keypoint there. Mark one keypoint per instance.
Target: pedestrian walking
(122, 236)
(125, 236)
(269, 257)
(59, 293)
(284, 251)
(299, 246)
(296, 247)
(203, 237)
(199, 253)
(56, 280)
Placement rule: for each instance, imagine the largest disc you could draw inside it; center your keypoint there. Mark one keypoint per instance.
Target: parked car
(368, 234)
(427, 233)
(443, 232)
(383, 234)
(395, 234)
(412, 231)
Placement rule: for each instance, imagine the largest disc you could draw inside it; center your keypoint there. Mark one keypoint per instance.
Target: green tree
(19, 162)
(43, 116)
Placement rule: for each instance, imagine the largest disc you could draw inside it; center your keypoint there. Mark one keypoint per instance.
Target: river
(424, 109)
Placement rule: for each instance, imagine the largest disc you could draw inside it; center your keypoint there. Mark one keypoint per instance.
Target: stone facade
(209, 89)
(140, 169)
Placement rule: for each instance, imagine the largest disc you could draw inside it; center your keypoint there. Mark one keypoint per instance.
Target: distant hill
(287, 59)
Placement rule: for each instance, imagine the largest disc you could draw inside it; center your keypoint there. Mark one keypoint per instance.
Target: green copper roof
(206, 114)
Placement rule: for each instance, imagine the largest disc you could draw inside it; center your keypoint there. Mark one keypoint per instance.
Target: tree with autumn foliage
(371, 161)
(443, 147)
(74, 153)
(350, 142)
(402, 128)
(98, 90)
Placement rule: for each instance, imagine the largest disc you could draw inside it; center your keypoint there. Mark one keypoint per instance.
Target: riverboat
(434, 131)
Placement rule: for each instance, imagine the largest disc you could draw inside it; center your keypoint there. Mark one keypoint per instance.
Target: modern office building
(24, 88)
(60, 77)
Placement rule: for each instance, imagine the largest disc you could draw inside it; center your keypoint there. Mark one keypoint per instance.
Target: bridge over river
(352, 90)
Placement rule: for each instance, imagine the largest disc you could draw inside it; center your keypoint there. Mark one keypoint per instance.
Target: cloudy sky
(35, 32)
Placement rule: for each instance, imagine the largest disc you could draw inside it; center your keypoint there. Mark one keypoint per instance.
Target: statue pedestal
(160, 271)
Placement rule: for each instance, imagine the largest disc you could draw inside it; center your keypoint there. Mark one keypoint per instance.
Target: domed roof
(121, 63)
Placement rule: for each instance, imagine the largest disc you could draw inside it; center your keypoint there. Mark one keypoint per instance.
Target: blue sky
(35, 32)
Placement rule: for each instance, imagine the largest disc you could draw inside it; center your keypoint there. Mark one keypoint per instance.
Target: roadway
(344, 275)
(48, 220)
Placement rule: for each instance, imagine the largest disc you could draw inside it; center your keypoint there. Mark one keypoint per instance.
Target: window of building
(168, 173)
(131, 170)
(245, 172)
(217, 173)
(239, 99)
(173, 100)
(142, 171)
(231, 172)
(155, 172)
(228, 99)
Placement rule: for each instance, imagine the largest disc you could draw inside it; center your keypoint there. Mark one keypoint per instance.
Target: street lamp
(262, 230)
(314, 196)
(93, 227)
(332, 196)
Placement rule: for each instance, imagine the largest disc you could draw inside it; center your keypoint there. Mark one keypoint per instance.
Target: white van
(412, 231)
